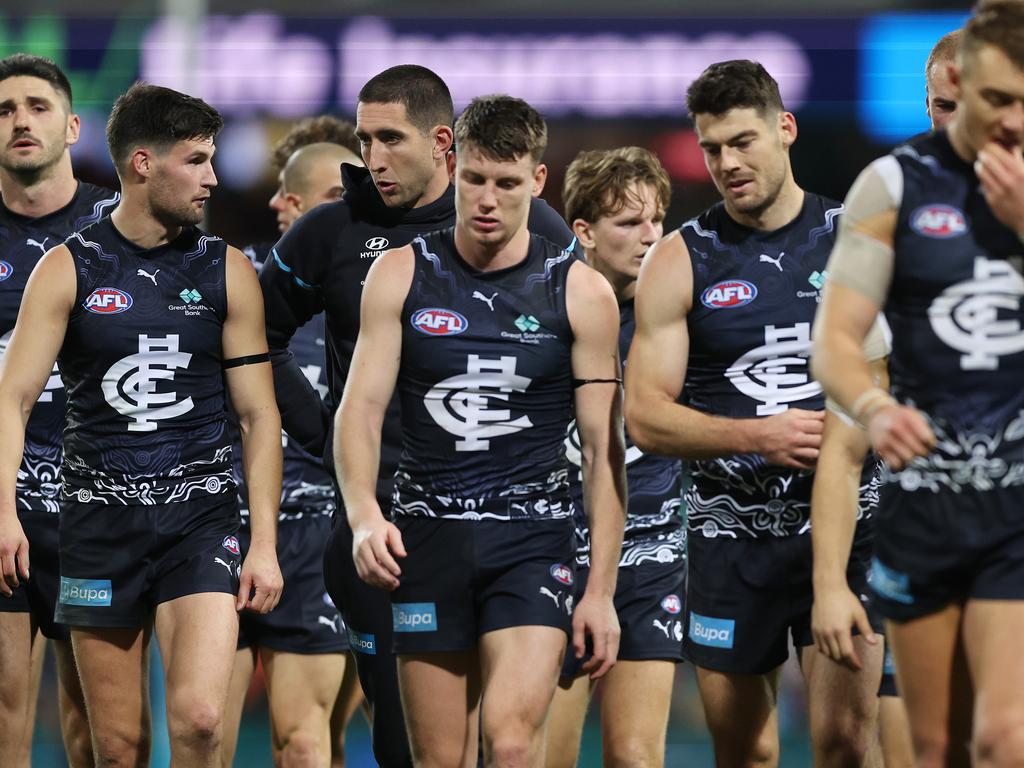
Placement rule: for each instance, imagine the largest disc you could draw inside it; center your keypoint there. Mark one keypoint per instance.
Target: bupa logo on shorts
(890, 583)
(712, 632)
(439, 322)
(362, 643)
(562, 574)
(414, 617)
(6, 270)
(108, 301)
(672, 604)
(729, 294)
(91, 592)
(230, 543)
(938, 221)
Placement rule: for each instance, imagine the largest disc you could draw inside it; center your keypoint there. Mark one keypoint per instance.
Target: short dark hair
(999, 23)
(733, 84)
(315, 130)
(597, 182)
(26, 65)
(158, 117)
(503, 128)
(945, 49)
(425, 96)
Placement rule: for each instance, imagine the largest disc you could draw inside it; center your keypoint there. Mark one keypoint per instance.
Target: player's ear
(787, 128)
(540, 176)
(293, 201)
(141, 161)
(450, 159)
(443, 140)
(584, 233)
(73, 130)
(955, 80)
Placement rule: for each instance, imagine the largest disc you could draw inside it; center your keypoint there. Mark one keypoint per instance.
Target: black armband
(234, 362)
(581, 382)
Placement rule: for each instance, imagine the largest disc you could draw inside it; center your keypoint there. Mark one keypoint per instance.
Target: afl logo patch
(6, 270)
(108, 301)
(672, 604)
(438, 322)
(230, 543)
(729, 294)
(938, 221)
(562, 574)
(377, 243)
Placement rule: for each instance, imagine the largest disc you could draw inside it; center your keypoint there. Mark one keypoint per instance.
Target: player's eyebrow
(747, 134)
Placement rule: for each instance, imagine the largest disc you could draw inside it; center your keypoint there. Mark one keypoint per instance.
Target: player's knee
(999, 738)
(303, 749)
(511, 747)
(633, 751)
(843, 739)
(933, 749)
(200, 724)
(114, 749)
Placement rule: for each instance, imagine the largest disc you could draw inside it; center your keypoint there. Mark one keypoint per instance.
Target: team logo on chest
(966, 315)
(438, 322)
(776, 373)
(129, 386)
(729, 294)
(462, 404)
(108, 301)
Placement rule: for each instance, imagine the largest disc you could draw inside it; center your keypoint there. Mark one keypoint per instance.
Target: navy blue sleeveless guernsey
(306, 489)
(957, 322)
(23, 241)
(485, 386)
(754, 298)
(654, 526)
(142, 364)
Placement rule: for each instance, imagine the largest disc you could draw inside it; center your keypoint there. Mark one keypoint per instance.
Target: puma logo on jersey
(144, 273)
(777, 261)
(488, 301)
(130, 385)
(40, 245)
(332, 623)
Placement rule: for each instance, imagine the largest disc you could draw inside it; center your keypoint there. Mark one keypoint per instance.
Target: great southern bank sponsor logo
(108, 301)
(362, 643)
(414, 617)
(91, 592)
(438, 322)
(712, 632)
(729, 294)
(938, 221)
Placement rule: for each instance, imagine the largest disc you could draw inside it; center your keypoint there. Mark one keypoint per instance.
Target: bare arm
(657, 370)
(357, 434)
(860, 272)
(34, 346)
(594, 316)
(252, 395)
(834, 505)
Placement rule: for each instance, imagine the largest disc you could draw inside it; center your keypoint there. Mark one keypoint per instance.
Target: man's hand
(791, 438)
(375, 545)
(595, 616)
(260, 582)
(835, 611)
(1001, 173)
(899, 433)
(13, 553)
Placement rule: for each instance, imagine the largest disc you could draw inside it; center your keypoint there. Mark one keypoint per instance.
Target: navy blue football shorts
(464, 578)
(744, 596)
(38, 594)
(933, 549)
(305, 620)
(117, 562)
